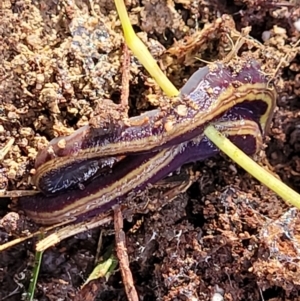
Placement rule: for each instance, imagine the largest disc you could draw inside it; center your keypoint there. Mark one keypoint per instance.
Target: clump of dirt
(226, 235)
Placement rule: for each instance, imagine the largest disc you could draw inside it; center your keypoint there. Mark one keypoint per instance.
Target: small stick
(123, 256)
(16, 193)
(71, 230)
(125, 77)
(22, 239)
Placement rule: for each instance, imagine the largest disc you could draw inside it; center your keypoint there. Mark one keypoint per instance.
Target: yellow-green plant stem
(252, 167)
(142, 53)
(35, 274)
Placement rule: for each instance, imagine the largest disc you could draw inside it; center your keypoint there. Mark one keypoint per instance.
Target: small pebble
(217, 297)
(297, 25)
(266, 35)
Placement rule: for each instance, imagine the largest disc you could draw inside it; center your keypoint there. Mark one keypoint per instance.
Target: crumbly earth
(226, 236)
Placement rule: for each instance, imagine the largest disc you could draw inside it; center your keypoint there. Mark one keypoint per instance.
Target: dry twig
(123, 256)
(125, 77)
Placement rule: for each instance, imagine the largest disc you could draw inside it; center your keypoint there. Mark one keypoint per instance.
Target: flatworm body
(144, 149)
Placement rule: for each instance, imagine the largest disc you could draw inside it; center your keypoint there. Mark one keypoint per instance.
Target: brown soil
(227, 236)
